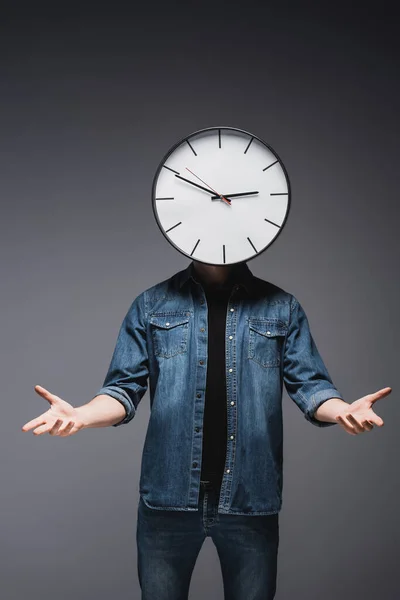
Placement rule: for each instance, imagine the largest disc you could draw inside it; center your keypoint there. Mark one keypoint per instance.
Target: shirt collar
(241, 275)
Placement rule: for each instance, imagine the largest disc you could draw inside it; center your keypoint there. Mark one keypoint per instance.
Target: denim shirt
(163, 342)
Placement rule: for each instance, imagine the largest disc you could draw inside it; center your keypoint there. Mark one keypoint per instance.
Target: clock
(221, 196)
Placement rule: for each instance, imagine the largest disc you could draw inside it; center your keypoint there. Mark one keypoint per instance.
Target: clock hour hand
(234, 195)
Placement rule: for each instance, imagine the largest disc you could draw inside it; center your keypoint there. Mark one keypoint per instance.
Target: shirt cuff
(316, 400)
(121, 395)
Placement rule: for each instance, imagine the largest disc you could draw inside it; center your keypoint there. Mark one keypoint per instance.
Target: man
(216, 344)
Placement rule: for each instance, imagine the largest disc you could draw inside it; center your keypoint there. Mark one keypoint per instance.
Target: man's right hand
(61, 419)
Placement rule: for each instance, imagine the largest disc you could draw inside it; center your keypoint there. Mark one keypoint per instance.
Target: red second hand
(220, 195)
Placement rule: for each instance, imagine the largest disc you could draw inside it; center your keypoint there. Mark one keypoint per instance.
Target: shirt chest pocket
(266, 339)
(170, 334)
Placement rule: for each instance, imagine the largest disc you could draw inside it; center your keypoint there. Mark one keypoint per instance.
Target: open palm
(61, 419)
(359, 416)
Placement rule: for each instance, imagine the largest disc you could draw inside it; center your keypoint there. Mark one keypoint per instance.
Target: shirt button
(268, 333)
(230, 370)
(232, 309)
(202, 329)
(198, 395)
(167, 324)
(201, 362)
(231, 337)
(232, 403)
(195, 464)
(202, 301)
(231, 437)
(197, 429)
(228, 470)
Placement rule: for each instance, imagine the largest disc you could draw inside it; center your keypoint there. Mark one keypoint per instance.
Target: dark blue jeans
(168, 543)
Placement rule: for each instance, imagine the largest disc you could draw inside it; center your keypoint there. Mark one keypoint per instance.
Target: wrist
(330, 409)
(81, 413)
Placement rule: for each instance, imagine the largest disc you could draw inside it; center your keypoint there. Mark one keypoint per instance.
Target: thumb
(380, 394)
(46, 394)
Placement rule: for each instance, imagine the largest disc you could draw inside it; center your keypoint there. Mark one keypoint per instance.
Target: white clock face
(221, 196)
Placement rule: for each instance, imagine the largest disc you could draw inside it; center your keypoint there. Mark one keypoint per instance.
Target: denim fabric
(162, 343)
(168, 543)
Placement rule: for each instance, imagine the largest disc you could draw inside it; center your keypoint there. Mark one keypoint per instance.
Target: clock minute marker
(219, 138)
(173, 227)
(248, 145)
(272, 223)
(279, 193)
(255, 249)
(223, 251)
(191, 147)
(165, 198)
(271, 165)
(169, 169)
(197, 243)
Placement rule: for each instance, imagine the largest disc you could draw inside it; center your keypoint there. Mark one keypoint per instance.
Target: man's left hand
(359, 416)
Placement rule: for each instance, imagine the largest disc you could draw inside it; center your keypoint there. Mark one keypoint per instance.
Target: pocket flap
(169, 321)
(268, 327)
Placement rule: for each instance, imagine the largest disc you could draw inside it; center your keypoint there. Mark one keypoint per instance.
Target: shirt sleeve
(127, 376)
(305, 375)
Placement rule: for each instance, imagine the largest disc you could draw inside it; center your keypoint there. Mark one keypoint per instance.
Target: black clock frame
(186, 138)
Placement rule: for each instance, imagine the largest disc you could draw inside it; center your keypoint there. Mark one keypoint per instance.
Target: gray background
(90, 102)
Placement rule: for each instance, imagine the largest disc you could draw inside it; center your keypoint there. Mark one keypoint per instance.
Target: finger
(346, 426)
(55, 427)
(380, 394)
(43, 429)
(47, 427)
(356, 424)
(367, 425)
(45, 394)
(34, 423)
(67, 430)
(349, 426)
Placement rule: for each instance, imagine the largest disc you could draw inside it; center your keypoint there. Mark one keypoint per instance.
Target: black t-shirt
(215, 411)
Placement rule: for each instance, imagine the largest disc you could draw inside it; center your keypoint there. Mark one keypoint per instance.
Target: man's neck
(212, 274)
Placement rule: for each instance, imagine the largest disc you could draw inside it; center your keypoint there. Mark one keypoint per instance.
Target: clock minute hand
(234, 195)
(228, 202)
(193, 183)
